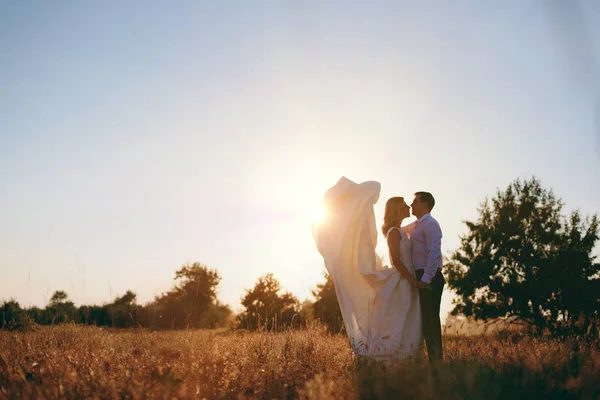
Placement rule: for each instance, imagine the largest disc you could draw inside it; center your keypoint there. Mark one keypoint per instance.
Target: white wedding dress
(380, 309)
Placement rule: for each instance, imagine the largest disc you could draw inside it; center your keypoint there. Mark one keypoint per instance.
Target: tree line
(521, 260)
(192, 303)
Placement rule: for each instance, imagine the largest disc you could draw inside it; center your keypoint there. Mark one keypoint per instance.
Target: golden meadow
(73, 361)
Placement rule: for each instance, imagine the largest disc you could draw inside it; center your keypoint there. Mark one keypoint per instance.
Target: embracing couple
(387, 310)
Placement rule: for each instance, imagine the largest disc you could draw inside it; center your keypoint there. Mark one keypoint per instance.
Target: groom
(427, 260)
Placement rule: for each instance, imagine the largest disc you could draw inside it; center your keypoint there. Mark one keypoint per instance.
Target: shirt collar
(423, 218)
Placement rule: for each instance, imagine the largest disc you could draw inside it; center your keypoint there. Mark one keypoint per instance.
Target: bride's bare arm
(393, 241)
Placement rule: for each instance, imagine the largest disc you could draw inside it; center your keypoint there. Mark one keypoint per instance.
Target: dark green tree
(523, 258)
(13, 317)
(95, 315)
(326, 307)
(266, 308)
(60, 308)
(187, 304)
(124, 312)
(59, 297)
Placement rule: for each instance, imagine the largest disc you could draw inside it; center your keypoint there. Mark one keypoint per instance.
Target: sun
(317, 213)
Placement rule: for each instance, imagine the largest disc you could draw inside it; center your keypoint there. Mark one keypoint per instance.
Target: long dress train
(380, 309)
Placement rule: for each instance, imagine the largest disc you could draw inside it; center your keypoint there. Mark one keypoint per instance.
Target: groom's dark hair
(426, 198)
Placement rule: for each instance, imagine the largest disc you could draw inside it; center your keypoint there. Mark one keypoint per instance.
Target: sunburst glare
(317, 213)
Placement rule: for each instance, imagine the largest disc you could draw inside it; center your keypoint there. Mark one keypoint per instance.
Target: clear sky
(138, 136)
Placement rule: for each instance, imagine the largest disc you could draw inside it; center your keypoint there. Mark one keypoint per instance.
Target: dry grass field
(86, 362)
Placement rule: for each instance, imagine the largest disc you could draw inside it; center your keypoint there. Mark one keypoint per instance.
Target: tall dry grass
(87, 362)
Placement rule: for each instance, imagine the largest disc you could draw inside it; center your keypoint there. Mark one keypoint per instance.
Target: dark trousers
(430, 300)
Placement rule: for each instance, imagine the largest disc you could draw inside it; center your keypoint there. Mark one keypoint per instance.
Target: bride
(379, 304)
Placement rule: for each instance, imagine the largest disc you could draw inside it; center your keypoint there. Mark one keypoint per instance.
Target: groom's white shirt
(427, 246)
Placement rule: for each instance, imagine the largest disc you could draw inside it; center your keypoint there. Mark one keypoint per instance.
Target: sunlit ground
(86, 362)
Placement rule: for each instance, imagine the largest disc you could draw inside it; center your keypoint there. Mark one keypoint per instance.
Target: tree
(194, 294)
(523, 258)
(123, 311)
(306, 311)
(197, 287)
(59, 297)
(95, 315)
(13, 317)
(218, 315)
(128, 299)
(60, 308)
(265, 307)
(326, 307)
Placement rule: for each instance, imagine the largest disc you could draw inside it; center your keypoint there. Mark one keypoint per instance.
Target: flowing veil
(365, 289)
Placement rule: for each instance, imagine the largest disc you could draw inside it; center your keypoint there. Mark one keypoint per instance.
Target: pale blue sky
(138, 136)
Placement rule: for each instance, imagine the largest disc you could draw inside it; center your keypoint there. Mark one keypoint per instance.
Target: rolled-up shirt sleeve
(433, 242)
